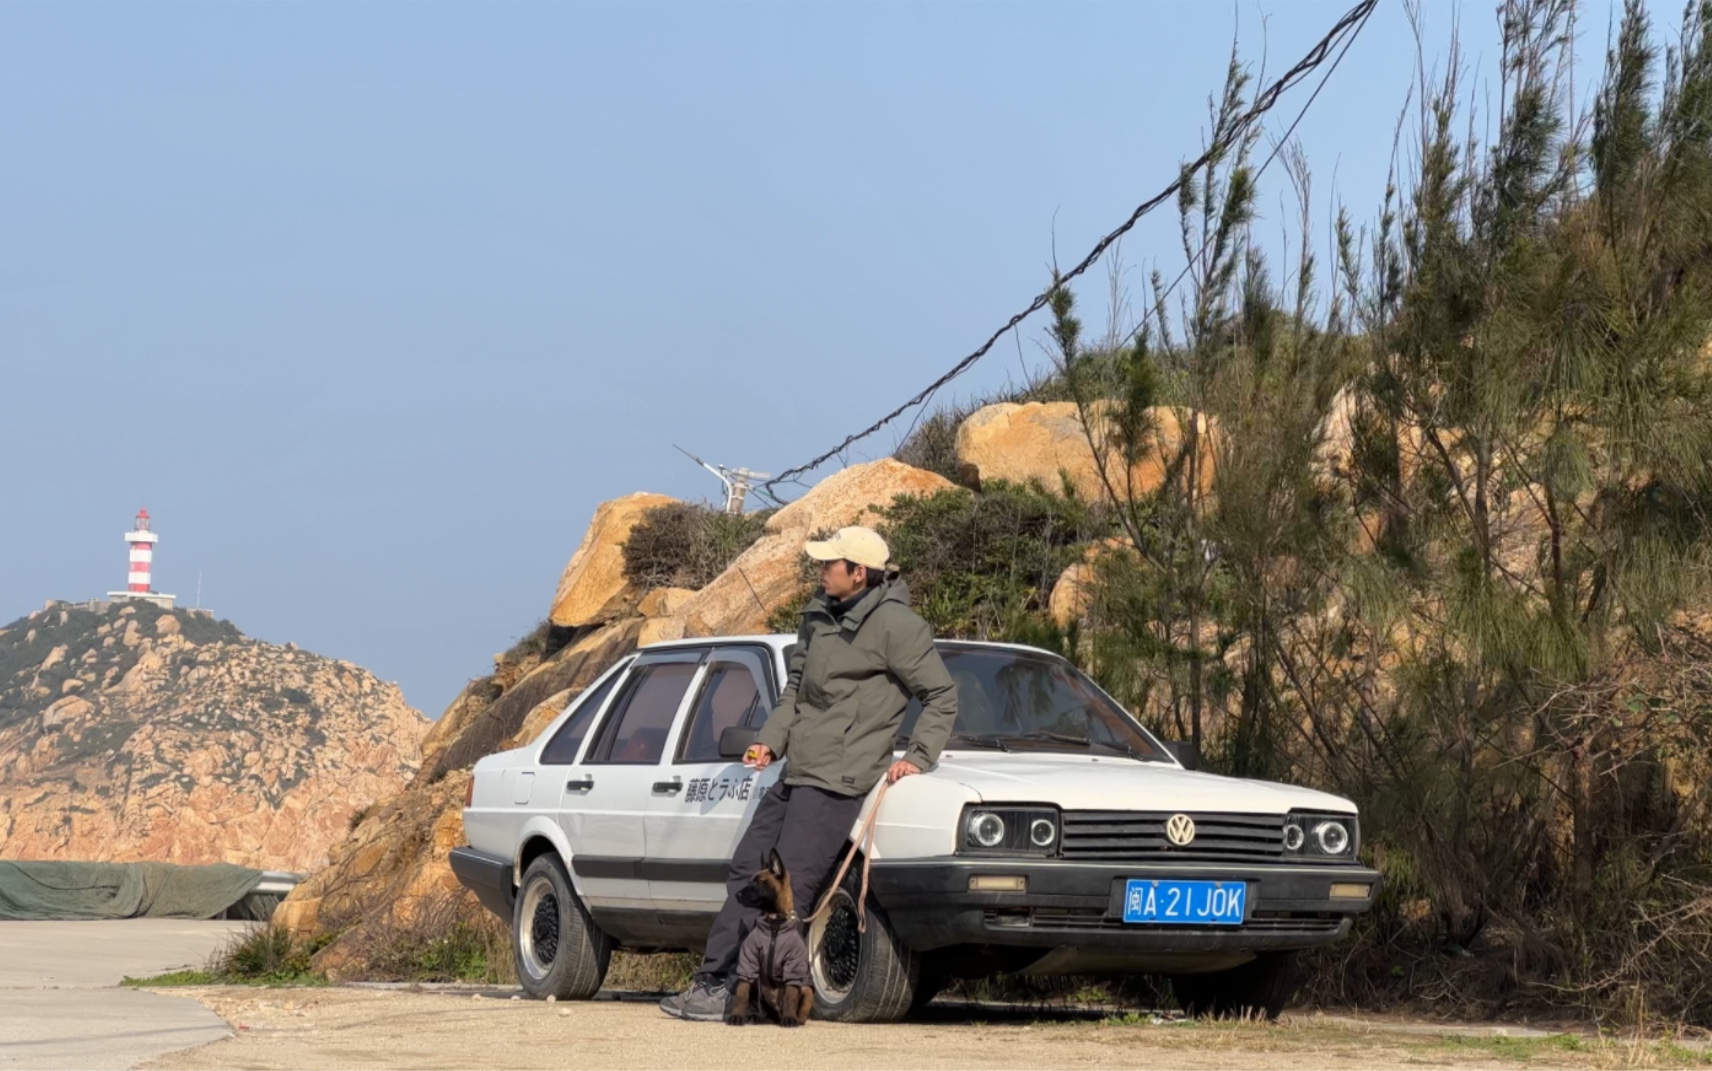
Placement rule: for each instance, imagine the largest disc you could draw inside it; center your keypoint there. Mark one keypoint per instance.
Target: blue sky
(370, 305)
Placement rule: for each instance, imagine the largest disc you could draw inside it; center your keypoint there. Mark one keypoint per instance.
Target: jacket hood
(893, 590)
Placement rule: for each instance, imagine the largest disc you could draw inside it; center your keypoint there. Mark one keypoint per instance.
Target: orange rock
(664, 602)
(298, 917)
(769, 574)
(465, 709)
(659, 630)
(542, 715)
(69, 709)
(1073, 595)
(1047, 441)
(243, 753)
(1334, 456)
(593, 587)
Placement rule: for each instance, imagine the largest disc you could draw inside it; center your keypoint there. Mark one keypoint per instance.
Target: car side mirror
(1184, 751)
(733, 742)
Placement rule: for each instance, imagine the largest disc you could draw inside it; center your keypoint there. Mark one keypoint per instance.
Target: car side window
(635, 732)
(731, 695)
(562, 749)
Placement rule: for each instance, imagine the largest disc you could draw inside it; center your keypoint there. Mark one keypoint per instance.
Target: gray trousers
(809, 827)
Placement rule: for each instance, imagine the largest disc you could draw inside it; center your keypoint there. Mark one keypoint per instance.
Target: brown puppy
(773, 980)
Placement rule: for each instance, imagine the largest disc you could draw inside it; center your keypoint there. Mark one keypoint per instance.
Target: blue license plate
(1185, 903)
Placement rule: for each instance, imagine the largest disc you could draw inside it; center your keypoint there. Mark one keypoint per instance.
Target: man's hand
(901, 769)
(760, 756)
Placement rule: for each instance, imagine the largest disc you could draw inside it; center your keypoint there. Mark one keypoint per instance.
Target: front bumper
(488, 876)
(930, 905)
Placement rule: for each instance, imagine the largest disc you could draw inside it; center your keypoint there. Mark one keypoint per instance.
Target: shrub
(932, 445)
(451, 950)
(268, 955)
(682, 545)
(442, 937)
(983, 565)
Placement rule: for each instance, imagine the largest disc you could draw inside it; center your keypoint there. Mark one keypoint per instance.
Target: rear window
(562, 749)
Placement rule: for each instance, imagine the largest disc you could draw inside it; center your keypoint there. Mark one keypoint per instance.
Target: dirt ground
(381, 1028)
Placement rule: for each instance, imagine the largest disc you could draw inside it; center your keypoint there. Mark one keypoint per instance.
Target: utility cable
(1349, 26)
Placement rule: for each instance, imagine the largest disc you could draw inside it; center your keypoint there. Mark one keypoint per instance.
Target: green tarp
(121, 890)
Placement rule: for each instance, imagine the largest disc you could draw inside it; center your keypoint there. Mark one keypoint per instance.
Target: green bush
(462, 951)
(266, 955)
(982, 565)
(683, 545)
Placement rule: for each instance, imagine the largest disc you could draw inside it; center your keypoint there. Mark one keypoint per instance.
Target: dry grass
(661, 972)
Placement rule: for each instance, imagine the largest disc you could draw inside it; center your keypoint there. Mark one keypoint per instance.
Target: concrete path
(60, 1005)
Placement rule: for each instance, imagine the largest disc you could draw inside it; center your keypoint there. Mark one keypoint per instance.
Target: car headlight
(986, 829)
(1330, 837)
(1009, 831)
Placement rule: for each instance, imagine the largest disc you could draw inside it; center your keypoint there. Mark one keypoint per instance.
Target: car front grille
(1072, 920)
(1140, 835)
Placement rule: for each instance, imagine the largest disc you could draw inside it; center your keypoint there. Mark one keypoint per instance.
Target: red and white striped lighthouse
(139, 583)
(142, 543)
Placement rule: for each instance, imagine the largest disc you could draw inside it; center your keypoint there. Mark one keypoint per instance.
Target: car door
(693, 829)
(606, 794)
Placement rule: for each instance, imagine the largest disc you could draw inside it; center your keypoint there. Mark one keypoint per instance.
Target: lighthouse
(139, 583)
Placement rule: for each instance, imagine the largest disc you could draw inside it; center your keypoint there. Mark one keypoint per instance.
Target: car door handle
(579, 784)
(666, 788)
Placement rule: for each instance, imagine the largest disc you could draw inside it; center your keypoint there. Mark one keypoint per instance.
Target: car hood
(1113, 783)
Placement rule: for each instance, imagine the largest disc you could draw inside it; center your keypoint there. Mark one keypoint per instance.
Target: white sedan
(1055, 836)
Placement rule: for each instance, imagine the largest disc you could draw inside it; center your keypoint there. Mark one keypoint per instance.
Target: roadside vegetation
(1451, 558)
(262, 955)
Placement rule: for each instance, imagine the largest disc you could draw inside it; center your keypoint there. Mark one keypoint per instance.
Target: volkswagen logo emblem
(1180, 830)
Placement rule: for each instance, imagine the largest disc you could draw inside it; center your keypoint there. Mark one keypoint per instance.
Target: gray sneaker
(702, 1002)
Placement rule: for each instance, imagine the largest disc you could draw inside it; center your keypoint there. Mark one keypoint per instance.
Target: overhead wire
(1345, 30)
(1277, 148)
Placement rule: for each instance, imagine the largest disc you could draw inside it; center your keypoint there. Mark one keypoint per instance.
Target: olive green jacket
(849, 682)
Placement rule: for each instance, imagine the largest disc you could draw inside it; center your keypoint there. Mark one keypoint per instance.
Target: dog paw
(788, 1021)
(736, 1020)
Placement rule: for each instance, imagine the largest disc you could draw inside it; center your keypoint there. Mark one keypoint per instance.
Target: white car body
(646, 844)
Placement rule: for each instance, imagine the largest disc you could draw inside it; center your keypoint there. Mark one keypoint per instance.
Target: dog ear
(775, 865)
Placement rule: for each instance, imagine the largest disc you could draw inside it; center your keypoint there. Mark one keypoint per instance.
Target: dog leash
(864, 843)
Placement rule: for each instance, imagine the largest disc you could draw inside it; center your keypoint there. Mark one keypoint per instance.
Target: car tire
(859, 977)
(1258, 989)
(557, 949)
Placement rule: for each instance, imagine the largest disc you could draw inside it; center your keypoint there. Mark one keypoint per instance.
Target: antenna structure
(738, 482)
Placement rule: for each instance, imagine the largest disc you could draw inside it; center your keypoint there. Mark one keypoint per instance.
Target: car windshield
(1012, 700)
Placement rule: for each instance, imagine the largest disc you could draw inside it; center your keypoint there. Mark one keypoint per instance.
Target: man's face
(841, 580)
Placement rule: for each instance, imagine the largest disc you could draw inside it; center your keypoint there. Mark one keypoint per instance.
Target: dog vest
(774, 954)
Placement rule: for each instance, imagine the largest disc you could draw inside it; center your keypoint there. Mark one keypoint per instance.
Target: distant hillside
(131, 732)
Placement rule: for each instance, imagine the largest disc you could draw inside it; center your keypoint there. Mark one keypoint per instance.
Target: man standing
(861, 654)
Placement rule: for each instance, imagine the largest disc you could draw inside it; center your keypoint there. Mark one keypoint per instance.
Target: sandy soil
(367, 1028)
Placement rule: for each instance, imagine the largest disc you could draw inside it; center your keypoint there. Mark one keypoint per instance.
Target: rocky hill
(391, 880)
(128, 732)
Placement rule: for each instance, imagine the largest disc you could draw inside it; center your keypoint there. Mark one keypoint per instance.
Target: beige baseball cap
(857, 544)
